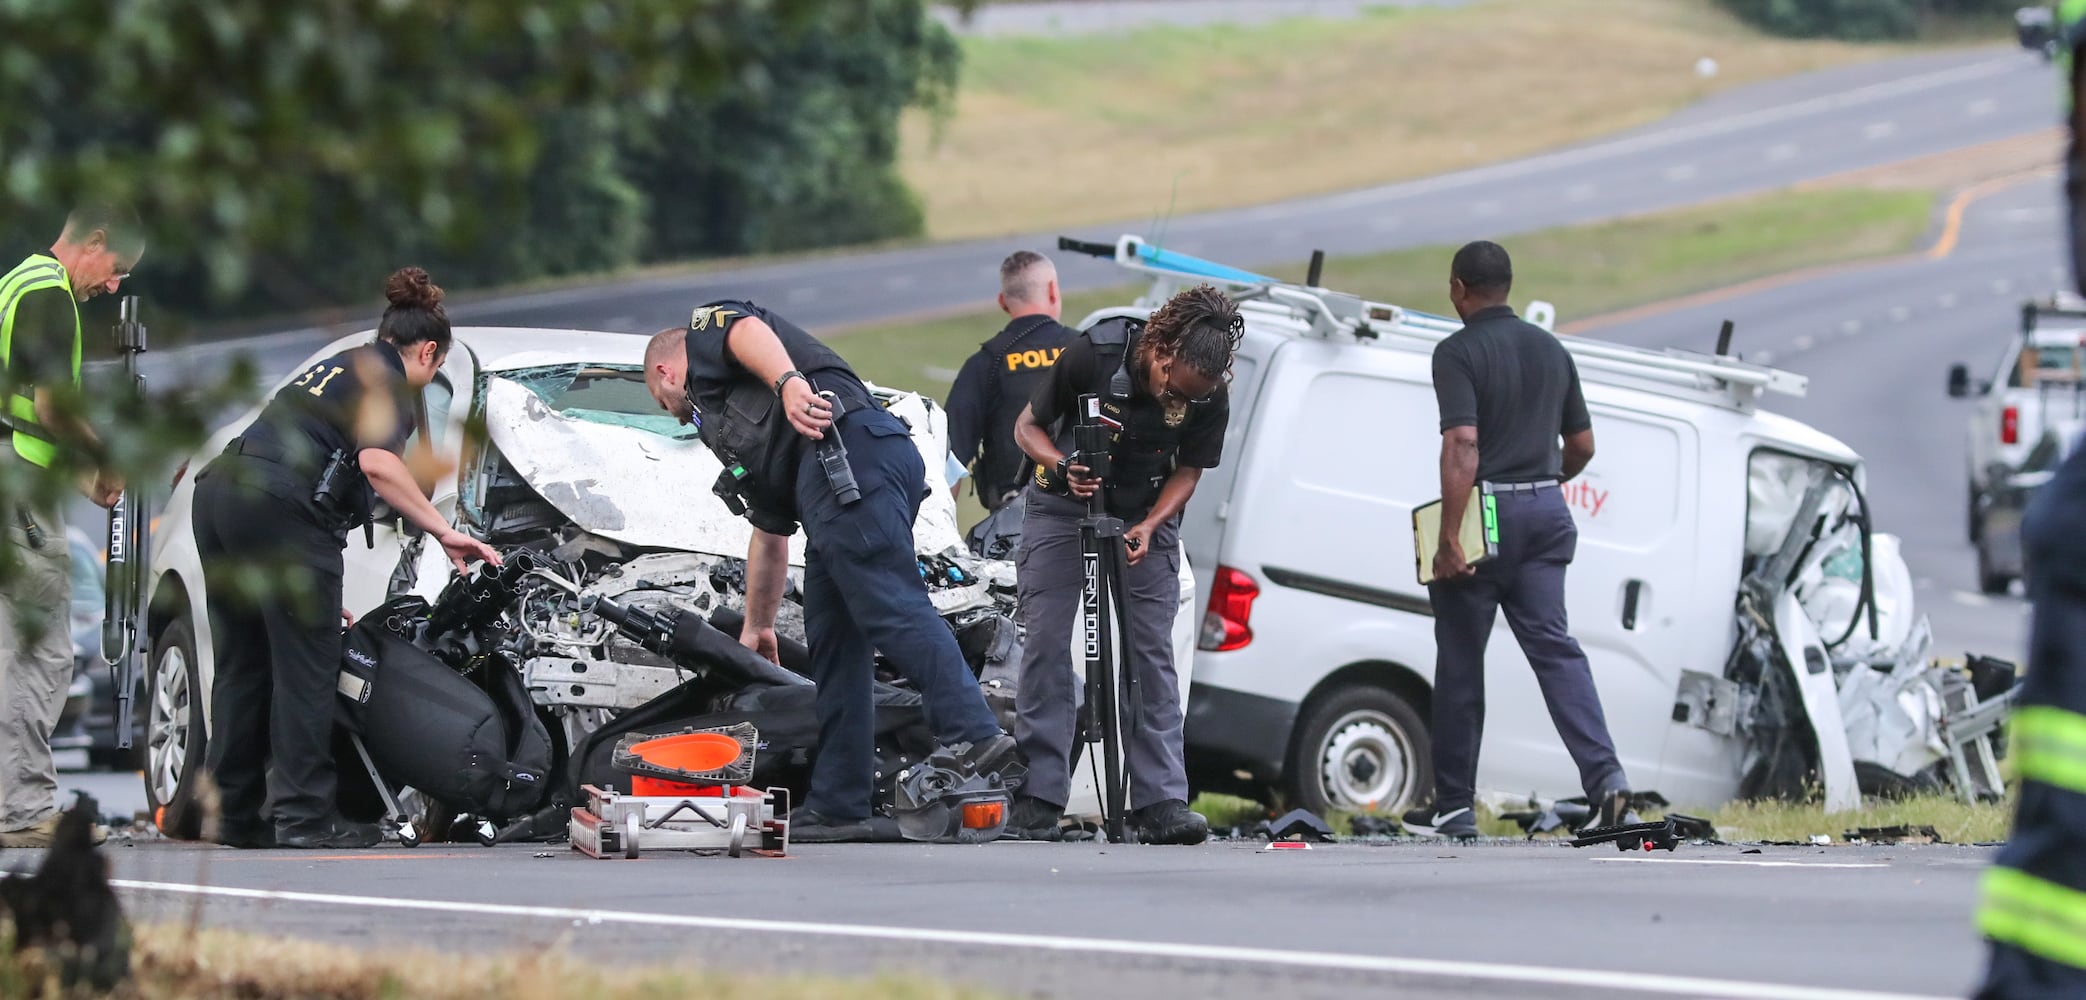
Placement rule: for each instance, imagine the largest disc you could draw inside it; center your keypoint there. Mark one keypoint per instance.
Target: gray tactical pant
(1051, 577)
(35, 669)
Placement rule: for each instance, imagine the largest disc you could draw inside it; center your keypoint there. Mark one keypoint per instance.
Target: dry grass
(1058, 132)
(170, 963)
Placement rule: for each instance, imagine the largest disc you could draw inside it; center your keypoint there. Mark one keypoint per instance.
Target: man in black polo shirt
(1162, 384)
(1508, 391)
(749, 380)
(999, 379)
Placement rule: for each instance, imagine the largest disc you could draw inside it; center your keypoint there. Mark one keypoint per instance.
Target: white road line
(1685, 171)
(1636, 982)
(1879, 130)
(1803, 343)
(1982, 106)
(1781, 152)
(899, 282)
(1579, 192)
(1485, 209)
(1973, 600)
(1899, 313)
(1764, 358)
(1380, 224)
(801, 295)
(1850, 327)
(1753, 864)
(1946, 300)
(1685, 133)
(2001, 286)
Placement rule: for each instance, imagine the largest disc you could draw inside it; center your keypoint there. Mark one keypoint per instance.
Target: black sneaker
(1458, 823)
(1612, 808)
(246, 836)
(332, 833)
(1033, 819)
(1169, 822)
(981, 757)
(807, 827)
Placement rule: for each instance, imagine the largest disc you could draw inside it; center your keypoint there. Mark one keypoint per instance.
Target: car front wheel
(1363, 748)
(175, 736)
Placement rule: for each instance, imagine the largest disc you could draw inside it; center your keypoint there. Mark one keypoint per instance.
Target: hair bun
(411, 288)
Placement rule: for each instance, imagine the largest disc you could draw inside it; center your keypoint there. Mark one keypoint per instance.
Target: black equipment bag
(478, 750)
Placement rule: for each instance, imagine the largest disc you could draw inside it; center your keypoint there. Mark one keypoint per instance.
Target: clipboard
(1479, 532)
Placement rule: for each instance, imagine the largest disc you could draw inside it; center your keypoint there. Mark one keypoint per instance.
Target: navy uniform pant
(1537, 539)
(1050, 571)
(2034, 908)
(862, 595)
(272, 576)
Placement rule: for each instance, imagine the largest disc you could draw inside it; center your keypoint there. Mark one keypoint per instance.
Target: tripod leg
(1129, 700)
(1110, 705)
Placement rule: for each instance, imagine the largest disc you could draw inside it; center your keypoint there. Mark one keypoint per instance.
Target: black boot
(807, 827)
(1169, 822)
(332, 833)
(1033, 819)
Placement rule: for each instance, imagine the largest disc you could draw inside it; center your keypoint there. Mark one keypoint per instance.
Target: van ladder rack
(1330, 314)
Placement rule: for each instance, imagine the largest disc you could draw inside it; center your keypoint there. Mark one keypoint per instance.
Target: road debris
(1632, 836)
(1298, 824)
(1900, 834)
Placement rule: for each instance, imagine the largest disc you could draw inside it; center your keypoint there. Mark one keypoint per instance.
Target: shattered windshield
(602, 394)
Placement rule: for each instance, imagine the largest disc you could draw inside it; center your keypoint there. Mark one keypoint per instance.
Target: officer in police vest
(998, 380)
(2034, 907)
(1164, 383)
(40, 350)
(766, 397)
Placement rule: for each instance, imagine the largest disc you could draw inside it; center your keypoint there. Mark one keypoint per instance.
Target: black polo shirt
(771, 490)
(1517, 385)
(990, 391)
(356, 399)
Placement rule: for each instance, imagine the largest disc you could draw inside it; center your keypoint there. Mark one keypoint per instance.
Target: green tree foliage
(287, 155)
(1858, 20)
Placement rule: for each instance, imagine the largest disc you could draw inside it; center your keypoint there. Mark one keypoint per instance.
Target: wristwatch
(786, 376)
(1064, 469)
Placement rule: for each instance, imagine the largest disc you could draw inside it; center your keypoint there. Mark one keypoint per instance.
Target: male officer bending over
(1163, 382)
(750, 381)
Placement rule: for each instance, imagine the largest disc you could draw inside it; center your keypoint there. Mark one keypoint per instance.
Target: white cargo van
(1316, 657)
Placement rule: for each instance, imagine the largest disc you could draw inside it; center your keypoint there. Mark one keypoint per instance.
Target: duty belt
(1539, 484)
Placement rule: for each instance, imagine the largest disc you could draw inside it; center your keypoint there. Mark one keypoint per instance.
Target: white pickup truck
(2023, 417)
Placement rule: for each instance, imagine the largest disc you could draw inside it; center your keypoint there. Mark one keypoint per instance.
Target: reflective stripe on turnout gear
(2035, 915)
(34, 273)
(2049, 745)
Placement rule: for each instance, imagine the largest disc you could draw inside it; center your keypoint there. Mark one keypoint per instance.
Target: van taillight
(2010, 426)
(1228, 623)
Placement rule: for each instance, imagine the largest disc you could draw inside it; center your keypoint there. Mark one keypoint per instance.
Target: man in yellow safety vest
(40, 358)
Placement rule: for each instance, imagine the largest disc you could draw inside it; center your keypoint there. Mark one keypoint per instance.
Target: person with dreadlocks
(1162, 384)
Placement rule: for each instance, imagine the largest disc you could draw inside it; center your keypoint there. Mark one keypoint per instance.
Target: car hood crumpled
(645, 489)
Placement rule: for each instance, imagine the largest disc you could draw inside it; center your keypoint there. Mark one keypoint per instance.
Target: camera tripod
(1109, 687)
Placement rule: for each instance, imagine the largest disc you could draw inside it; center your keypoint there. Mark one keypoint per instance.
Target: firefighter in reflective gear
(271, 516)
(40, 351)
(1162, 382)
(2034, 906)
(998, 380)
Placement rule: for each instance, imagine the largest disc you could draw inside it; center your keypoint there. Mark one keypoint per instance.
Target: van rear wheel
(1364, 748)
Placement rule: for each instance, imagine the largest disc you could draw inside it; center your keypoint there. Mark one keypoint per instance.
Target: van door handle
(1630, 591)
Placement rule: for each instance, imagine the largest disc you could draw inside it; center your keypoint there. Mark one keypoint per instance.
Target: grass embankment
(171, 963)
(1097, 128)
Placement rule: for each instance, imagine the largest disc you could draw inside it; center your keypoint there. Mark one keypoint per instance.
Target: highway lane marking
(1636, 982)
(1803, 342)
(1944, 246)
(1580, 192)
(1685, 171)
(1750, 864)
(1879, 130)
(1380, 224)
(1780, 152)
(1952, 228)
(1982, 106)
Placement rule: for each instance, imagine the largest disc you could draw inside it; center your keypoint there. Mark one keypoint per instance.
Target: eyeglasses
(1168, 392)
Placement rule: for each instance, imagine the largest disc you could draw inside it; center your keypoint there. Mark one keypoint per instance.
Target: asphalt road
(1876, 342)
(1226, 920)
(1746, 140)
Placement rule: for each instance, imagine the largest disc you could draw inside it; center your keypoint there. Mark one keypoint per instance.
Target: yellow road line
(1953, 228)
